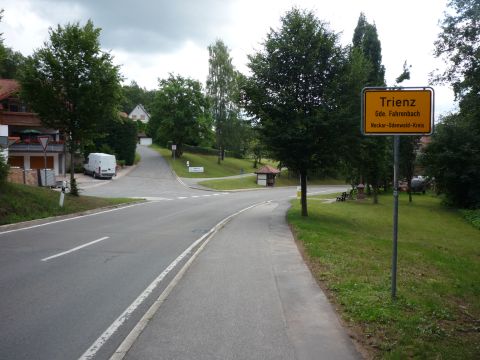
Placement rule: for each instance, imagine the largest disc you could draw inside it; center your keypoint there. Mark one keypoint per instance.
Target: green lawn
(21, 203)
(437, 312)
(250, 182)
(228, 167)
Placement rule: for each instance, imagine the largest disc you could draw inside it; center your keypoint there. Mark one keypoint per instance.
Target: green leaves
(180, 113)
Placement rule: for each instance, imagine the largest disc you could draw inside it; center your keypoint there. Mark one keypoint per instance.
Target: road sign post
(397, 112)
(174, 150)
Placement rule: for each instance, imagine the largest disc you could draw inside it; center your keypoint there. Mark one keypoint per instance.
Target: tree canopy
(293, 90)
(180, 113)
(222, 91)
(453, 157)
(72, 84)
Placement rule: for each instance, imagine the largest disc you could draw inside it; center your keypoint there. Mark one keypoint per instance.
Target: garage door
(16, 161)
(38, 162)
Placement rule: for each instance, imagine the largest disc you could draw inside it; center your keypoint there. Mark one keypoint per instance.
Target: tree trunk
(303, 184)
(73, 182)
(409, 189)
(375, 194)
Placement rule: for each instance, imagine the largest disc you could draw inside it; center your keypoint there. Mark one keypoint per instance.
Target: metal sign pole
(396, 146)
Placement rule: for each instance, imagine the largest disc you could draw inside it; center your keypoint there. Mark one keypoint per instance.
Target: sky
(150, 39)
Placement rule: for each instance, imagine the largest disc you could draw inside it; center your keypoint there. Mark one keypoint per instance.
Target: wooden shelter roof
(267, 169)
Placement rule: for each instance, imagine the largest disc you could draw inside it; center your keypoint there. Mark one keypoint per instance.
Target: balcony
(35, 146)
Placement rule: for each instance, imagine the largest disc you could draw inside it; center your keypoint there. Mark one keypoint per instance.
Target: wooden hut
(266, 175)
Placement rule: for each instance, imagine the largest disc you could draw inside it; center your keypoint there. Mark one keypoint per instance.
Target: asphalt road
(59, 300)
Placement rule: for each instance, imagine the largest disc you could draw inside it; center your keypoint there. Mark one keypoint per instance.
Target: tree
(372, 162)
(221, 88)
(453, 158)
(133, 94)
(180, 113)
(292, 93)
(73, 85)
(122, 138)
(10, 63)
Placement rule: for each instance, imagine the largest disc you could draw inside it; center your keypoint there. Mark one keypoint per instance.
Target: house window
(142, 117)
(134, 117)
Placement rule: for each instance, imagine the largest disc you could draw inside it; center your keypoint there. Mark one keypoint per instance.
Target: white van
(100, 165)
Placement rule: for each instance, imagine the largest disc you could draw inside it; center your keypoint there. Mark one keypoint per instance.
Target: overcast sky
(152, 38)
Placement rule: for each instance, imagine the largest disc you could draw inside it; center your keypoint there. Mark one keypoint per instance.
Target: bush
(4, 168)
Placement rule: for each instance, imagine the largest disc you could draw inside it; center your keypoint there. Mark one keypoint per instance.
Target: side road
(248, 295)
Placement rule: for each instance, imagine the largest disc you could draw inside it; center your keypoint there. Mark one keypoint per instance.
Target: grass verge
(228, 167)
(437, 312)
(249, 182)
(22, 203)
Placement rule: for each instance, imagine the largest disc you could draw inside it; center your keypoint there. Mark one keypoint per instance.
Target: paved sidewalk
(248, 295)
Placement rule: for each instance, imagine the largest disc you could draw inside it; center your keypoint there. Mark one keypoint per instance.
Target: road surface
(75, 288)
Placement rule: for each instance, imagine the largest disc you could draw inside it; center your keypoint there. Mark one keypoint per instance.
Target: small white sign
(174, 147)
(195, 169)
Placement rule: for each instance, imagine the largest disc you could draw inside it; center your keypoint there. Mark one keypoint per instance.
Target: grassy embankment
(229, 167)
(437, 312)
(22, 203)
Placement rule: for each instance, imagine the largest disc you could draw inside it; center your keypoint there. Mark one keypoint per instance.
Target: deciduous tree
(180, 113)
(453, 157)
(73, 85)
(222, 87)
(293, 93)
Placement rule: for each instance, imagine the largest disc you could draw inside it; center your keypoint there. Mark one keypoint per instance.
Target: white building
(139, 113)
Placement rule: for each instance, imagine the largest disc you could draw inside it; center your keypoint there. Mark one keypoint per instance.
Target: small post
(396, 146)
(62, 193)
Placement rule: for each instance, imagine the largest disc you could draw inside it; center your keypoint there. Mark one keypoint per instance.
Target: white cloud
(154, 38)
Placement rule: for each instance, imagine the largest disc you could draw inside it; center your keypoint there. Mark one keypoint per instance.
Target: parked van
(100, 165)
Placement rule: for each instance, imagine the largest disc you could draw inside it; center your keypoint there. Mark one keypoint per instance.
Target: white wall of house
(139, 114)
(146, 141)
(4, 132)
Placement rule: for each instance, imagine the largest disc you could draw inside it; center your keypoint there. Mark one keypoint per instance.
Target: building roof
(267, 169)
(141, 108)
(8, 87)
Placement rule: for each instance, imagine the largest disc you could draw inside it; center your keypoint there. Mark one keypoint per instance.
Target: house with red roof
(19, 123)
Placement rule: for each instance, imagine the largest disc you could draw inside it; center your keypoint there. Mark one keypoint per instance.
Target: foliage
(453, 157)
(122, 137)
(180, 113)
(73, 85)
(459, 45)
(133, 94)
(11, 63)
(348, 245)
(293, 93)
(222, 90)
(365, 37)
(371, 162)
(4, 168)
(472, 216)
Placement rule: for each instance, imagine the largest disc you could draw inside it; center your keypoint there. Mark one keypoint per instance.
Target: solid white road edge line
(133, 335)
(75, 249)
(72, 218)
